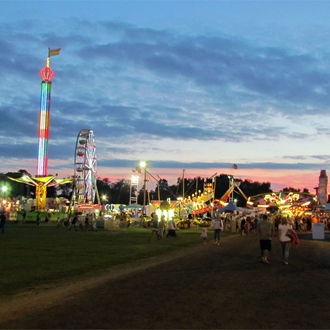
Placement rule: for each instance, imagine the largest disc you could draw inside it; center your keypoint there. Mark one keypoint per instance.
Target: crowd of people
(84, 222)
(245, 224)
(264, 226)
(158, 228)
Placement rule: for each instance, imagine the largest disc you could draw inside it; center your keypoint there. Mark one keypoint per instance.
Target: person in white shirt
(171, 227)
(285, 240)
(217, 225)
(204, 235)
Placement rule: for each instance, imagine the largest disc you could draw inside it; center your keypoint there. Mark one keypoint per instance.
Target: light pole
(104, 198)
(144, 165)
(231, 186)
(158, 186)
(180, 199)
(133, 189)
(3, 189)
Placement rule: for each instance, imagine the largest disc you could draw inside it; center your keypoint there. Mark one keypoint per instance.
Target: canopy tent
(132, 207)
(230, 207)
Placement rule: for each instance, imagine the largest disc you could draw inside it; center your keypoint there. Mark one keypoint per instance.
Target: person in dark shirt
(73, 222)
(38, 219)
(243, 228)
(265, 233)
(2, 222)
(24, 216)
(87, 223)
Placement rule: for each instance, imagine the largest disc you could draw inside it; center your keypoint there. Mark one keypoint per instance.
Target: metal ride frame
(85, 168)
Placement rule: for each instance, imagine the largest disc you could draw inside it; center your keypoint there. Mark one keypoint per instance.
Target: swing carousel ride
(42, 180)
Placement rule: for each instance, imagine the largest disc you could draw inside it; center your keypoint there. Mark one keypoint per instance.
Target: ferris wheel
(85, 166)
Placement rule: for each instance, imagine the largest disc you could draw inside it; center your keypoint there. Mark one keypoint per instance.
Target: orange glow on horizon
(279, 179)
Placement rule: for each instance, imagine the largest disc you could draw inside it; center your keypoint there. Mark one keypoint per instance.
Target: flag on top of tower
(53, 52)
(235, 167)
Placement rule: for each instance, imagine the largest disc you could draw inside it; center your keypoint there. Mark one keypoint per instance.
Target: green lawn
(32, 256)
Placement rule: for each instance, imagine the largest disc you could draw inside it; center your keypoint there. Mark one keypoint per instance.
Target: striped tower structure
(42, 180)
(46, 74)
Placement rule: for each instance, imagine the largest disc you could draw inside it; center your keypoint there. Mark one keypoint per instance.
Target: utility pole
(144, 164)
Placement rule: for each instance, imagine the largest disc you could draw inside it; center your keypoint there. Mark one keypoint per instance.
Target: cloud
(126, 163)
(147, 91)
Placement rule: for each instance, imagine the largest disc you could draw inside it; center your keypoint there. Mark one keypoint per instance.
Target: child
(204, 235)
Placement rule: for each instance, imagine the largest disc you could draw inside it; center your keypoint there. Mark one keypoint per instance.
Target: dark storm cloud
(19, 150)
(324, 158)
(217, 61)
(173, 164)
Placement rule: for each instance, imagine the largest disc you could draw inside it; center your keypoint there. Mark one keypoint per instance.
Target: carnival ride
(288, 203)
(204, 201)
(42, 180)
(85, 169)
(229, 194)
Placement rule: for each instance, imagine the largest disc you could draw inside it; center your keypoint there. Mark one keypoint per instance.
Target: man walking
(2, 221)
(73, 222)
(38, 219)
(265, 232)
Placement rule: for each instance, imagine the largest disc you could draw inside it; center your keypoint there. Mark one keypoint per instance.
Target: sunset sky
(194, 85)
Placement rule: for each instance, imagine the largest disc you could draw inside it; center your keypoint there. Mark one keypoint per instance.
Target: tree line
(121, 191)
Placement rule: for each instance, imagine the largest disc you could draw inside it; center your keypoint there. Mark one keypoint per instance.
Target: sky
(184, 85)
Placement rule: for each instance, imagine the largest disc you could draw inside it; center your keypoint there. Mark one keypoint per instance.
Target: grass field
(31, 256)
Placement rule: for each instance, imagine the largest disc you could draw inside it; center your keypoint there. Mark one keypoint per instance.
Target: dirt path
(206, 287)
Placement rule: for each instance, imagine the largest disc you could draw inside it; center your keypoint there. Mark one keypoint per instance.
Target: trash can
(318, 230)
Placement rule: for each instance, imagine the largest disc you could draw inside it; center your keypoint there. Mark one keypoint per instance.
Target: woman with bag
(284, 237)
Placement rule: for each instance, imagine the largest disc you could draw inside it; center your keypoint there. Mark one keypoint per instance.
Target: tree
(290, 189)
(65, 190)
(104, 188)
(251, 188)
(120, 191)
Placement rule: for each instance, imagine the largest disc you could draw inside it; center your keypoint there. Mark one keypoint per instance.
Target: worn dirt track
(206, 287)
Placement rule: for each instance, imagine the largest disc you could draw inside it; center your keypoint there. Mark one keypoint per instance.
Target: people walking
(161, 228)
(87, 222)
(217, 225)
(23, 216)
(285, 239)
(242, 226)
(2, 221)
(73, 222)
(265, 233)
(38, 219)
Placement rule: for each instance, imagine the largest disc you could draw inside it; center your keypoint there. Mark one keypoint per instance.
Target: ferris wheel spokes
(85, 166)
